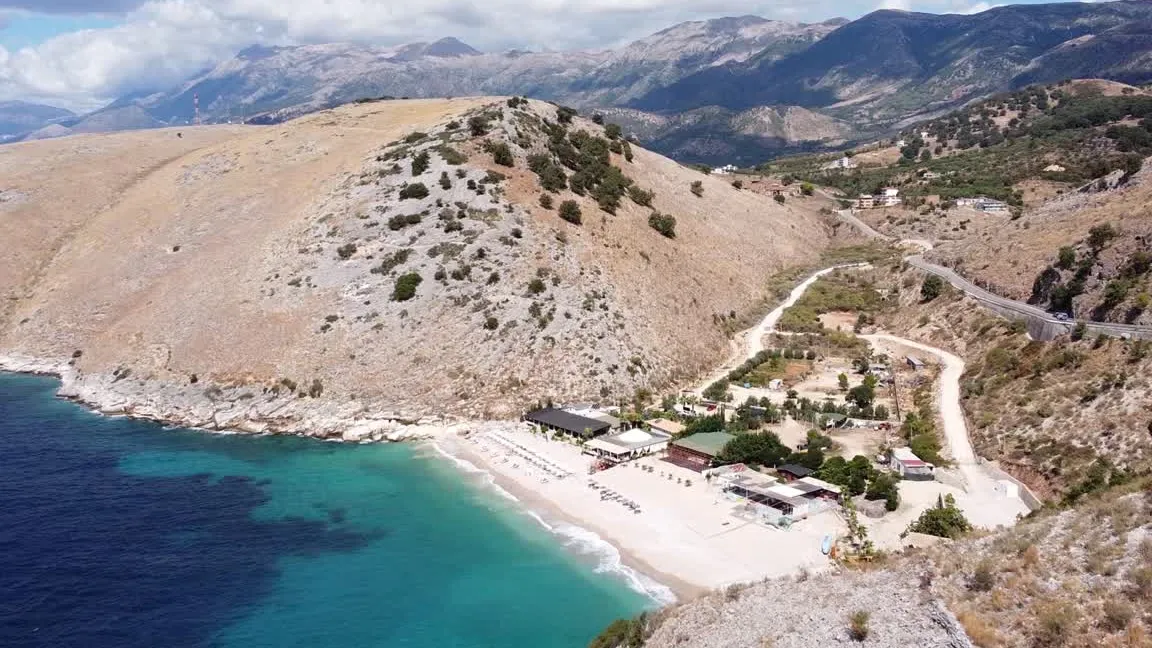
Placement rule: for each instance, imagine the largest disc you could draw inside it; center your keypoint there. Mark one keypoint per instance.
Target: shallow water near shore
(115, 532)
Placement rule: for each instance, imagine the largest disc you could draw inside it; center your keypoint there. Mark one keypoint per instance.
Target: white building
(727, 169)
(911, 467)
(628, 445)
(842, 163)
(889, 197)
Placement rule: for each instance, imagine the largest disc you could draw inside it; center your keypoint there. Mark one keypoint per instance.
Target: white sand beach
(687, 537)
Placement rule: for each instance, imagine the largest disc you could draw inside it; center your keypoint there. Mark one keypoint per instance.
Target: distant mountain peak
(450, 47)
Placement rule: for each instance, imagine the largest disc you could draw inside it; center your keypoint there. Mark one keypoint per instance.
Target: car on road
(1063, 317)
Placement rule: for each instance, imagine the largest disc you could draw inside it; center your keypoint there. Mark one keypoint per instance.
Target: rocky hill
(390, 259)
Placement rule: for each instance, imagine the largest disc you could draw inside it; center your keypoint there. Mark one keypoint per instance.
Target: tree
(612, 131)
(445, 181)
(812, 458)
(884, 487)
(570, 211)
(807, 189)
(779, 198)
(862, 395)
(597, 118)
(663, 223)
(717, 391)
(737, 184)
(843, 380)
(491, 323)
(763, 449)
(931, 288)
(943, 520)
(697, 188)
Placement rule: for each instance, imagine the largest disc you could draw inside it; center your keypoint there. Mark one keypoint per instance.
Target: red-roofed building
(911, 467)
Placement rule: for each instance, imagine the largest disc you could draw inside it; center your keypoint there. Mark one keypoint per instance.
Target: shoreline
(549, 515)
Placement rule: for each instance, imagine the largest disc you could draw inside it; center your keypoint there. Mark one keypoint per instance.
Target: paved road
(1045, 321)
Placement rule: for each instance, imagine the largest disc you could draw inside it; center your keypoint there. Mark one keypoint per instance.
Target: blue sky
(79, 54)
(23, 30)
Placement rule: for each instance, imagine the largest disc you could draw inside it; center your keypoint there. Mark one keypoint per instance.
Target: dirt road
(750, 342)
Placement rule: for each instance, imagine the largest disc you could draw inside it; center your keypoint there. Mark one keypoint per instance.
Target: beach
(687, 538)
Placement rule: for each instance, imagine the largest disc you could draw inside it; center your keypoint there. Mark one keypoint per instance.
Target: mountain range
(737, 89)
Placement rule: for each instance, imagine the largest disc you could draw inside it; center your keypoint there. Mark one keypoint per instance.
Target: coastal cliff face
(294, 278)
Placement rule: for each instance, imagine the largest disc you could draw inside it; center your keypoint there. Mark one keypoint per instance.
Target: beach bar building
(697, 452)
(631, 444)
(574, 425)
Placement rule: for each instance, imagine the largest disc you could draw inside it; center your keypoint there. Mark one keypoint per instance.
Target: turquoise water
(119, 533)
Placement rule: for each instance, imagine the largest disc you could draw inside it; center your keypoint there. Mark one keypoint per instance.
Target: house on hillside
(889, 197)
(865, 201)
(984, 204)
(1054, 168)
(911, 467)
(840, 164)
(916, 363)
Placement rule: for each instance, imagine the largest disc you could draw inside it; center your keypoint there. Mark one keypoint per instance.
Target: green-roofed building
(697, 452)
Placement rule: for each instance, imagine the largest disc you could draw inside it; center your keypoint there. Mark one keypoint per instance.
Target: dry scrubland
(1010, 258)
(255, 270)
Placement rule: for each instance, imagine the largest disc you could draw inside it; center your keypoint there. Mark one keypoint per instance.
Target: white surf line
(754, 337)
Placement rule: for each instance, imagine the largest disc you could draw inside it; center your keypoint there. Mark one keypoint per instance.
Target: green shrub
(491, 324)
(664, 224)
(502, 155)
(451, 155)
(546, 201)
(416, 190)
(415, 137)
(551, 176)
(737, 184)
(779, 198)
(478, 125)
(564, 114)
(983, 578)
(697, 188)
(392, 261)
(346, 251)
(640, 196)
(420, 163)
(536, 286)
(931, 288)
(858, 625)
(943, 520)
(405, 287)
(400, 221)
(612, 131)
(445, 181)
(570, 211)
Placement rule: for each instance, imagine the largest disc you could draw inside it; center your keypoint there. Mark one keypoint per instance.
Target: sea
(121, 533)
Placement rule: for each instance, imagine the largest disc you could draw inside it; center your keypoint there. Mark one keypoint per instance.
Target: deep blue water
(120, 533)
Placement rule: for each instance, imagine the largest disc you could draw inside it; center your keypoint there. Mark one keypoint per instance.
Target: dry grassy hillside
(257, 276)
(1021, 258)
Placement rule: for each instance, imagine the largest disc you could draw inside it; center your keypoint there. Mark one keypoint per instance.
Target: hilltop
(394, 259)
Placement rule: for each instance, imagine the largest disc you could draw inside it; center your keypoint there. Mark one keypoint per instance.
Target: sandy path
(750, 342)
(986, 502)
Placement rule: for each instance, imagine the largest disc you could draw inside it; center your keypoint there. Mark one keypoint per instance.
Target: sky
(81, 54)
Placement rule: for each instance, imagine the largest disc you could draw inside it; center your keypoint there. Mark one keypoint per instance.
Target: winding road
(987, 501)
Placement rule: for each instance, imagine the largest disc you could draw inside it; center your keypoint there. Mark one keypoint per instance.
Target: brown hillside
(1009, 258)
(239, 271)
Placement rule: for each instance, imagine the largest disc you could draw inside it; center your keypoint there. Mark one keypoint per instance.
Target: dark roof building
(792, 471)
(568, 423)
